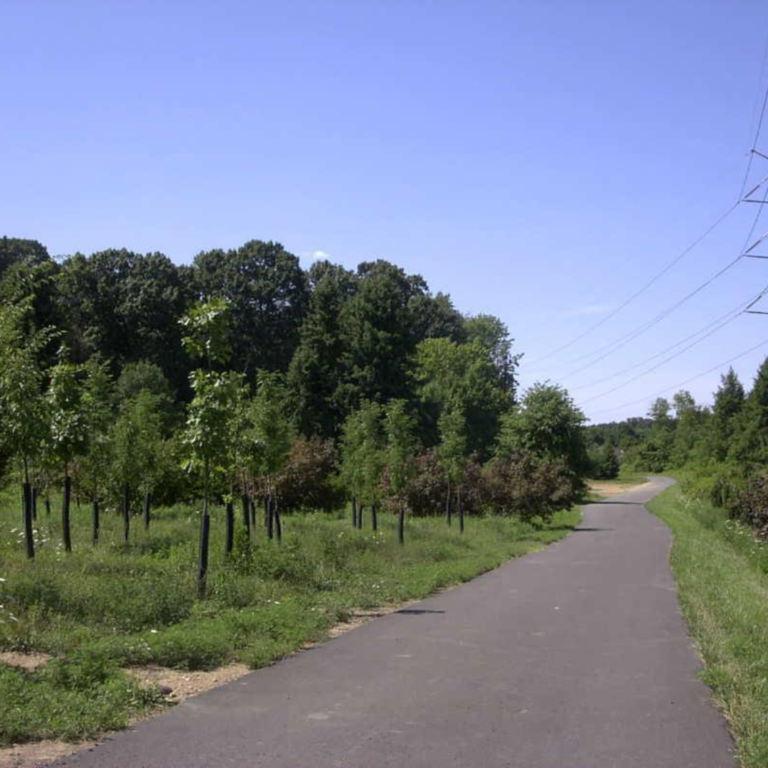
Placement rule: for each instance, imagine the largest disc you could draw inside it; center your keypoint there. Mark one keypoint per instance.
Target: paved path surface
(574, 657)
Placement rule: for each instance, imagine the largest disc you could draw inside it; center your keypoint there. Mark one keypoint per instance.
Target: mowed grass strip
(102, 608)
(720, 570)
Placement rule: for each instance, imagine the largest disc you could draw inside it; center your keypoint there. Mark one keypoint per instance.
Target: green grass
(721, 572)
(102, 608)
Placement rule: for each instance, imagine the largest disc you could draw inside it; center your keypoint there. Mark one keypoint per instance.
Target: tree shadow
(416, 611)
(622, 503)
(587, 529)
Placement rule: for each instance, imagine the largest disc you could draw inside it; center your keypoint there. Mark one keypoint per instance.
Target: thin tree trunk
(374, 519)
(47, 505)
(95, 521)
(202, 560)
(354, 511)
(126, 512)
(29, 533)
(266, 511)
(230, 539)
(270, 519)
(448, 503)
(66, 529)
(278, 521)
(147, 509)
(460, 505)
(34, 503)
(360, 511)
(246, 504)
(401, 523)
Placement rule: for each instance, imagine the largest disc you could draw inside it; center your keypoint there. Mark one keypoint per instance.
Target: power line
(698, 240)
(687, 381)
(667, 359)
(760, 119)
(645, 287)
(727, 317)
(622, 341)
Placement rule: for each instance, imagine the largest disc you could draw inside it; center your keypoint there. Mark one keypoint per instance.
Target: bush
(720, 485)
(603, 462)
(426, 490)
(527, 488)
(752, 507)
(309, 478)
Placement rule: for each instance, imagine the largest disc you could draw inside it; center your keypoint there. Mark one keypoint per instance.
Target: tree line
(720, 451)
(246, 382)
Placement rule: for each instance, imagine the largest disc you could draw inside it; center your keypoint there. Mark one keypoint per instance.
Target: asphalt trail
(574, 657)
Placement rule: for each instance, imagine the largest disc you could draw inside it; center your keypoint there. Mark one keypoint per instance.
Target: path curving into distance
(573, 657)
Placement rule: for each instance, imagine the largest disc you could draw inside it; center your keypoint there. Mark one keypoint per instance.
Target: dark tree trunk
(66, 529)
(266, 512)
(401, 524)
(29, 534)
(34, 503)
(448, 503)
(95, 521)
(374, 519)
(278, 521)
(126, 512)
(354, 511)
(147, 509)
(270, 519)
(360, 511)
(202, 560)
(230, 539)
(48, 505)
(246, 503)
(460, 506)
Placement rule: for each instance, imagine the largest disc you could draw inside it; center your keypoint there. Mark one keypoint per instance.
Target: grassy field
(100, 609)
(722, 576)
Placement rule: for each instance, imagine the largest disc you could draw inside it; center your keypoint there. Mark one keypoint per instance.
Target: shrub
(309, 478)
(426, 489)
(528, 488)
(752, 507)
(603, 462)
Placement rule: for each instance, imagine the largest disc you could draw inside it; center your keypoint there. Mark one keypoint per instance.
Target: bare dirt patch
(606, 488)
(182, 685)
(23, 660)
(39, 753)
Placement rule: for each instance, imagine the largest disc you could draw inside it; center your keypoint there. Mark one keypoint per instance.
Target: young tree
(399, 426)
(372, 459)
(352, 446)
(235, 457)
(23, 417)
(206, 436)
(272, 437)
(137, 443)
(68, 427)
(362, 460)
(98, 393)
(452, 453)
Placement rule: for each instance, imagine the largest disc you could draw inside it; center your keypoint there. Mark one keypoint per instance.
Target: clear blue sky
(536, 160)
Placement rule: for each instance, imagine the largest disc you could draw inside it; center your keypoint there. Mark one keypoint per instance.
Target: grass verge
(101, 608)
(721, 572)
